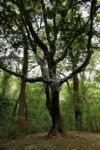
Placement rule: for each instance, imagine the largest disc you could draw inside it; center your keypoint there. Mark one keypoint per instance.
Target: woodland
(49, 68)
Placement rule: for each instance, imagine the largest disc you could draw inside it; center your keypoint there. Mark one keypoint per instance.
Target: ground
(72, 141)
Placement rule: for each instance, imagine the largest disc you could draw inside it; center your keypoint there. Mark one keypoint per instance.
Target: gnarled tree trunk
(57, 122)
(52, 101)
(52, 97)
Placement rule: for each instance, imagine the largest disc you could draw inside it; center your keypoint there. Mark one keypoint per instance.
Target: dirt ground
(73, 141)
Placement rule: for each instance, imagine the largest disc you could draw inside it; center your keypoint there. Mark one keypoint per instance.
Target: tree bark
(22, 116)
(77, 103)
(48, 98)
(54, 110)
(19, 115)
(22, 112)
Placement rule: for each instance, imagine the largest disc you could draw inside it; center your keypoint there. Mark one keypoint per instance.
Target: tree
(75, 55)
(43, 30)
(20, 108)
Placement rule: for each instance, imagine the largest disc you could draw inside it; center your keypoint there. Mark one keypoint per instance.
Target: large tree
(48, 31)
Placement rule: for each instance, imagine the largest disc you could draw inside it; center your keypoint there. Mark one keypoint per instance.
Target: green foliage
(5, 114)
(91, 108)
(38, 115)
(90, 101)
(4, 105)
(67, 110)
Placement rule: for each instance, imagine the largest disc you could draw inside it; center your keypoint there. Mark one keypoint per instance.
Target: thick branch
(98, 6)
(32, 31)
(78, 33)
(35, 79)
(50, 40)
(45, 21)
(31, 80)
(89, 51)
(2, 67)
(65, 11)
(78, 70)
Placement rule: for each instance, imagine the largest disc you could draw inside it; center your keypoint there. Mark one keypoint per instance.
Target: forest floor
(74, 141)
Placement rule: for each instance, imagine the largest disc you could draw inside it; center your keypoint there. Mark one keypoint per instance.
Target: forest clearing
(73, 141)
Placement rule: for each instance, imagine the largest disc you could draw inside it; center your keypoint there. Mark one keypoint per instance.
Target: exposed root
(56, 133)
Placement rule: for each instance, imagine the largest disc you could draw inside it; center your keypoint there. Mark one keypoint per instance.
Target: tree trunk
(54, 110)
(19, 115)
(22, 116)
(77, 103)
(52, 98)
(48, 98)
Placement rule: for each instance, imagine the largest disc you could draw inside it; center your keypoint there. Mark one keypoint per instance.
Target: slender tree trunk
(19, 115)
(76, 97)
(14, 113)
(77, 103)
(22, 116)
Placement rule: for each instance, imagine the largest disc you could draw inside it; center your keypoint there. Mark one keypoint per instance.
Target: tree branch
(78, 70)
(31, 80)
(89, 51)
(32, 31)
(98, 6)
(34, 80)
(4, 68)
(78, 33)
(45, 21)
